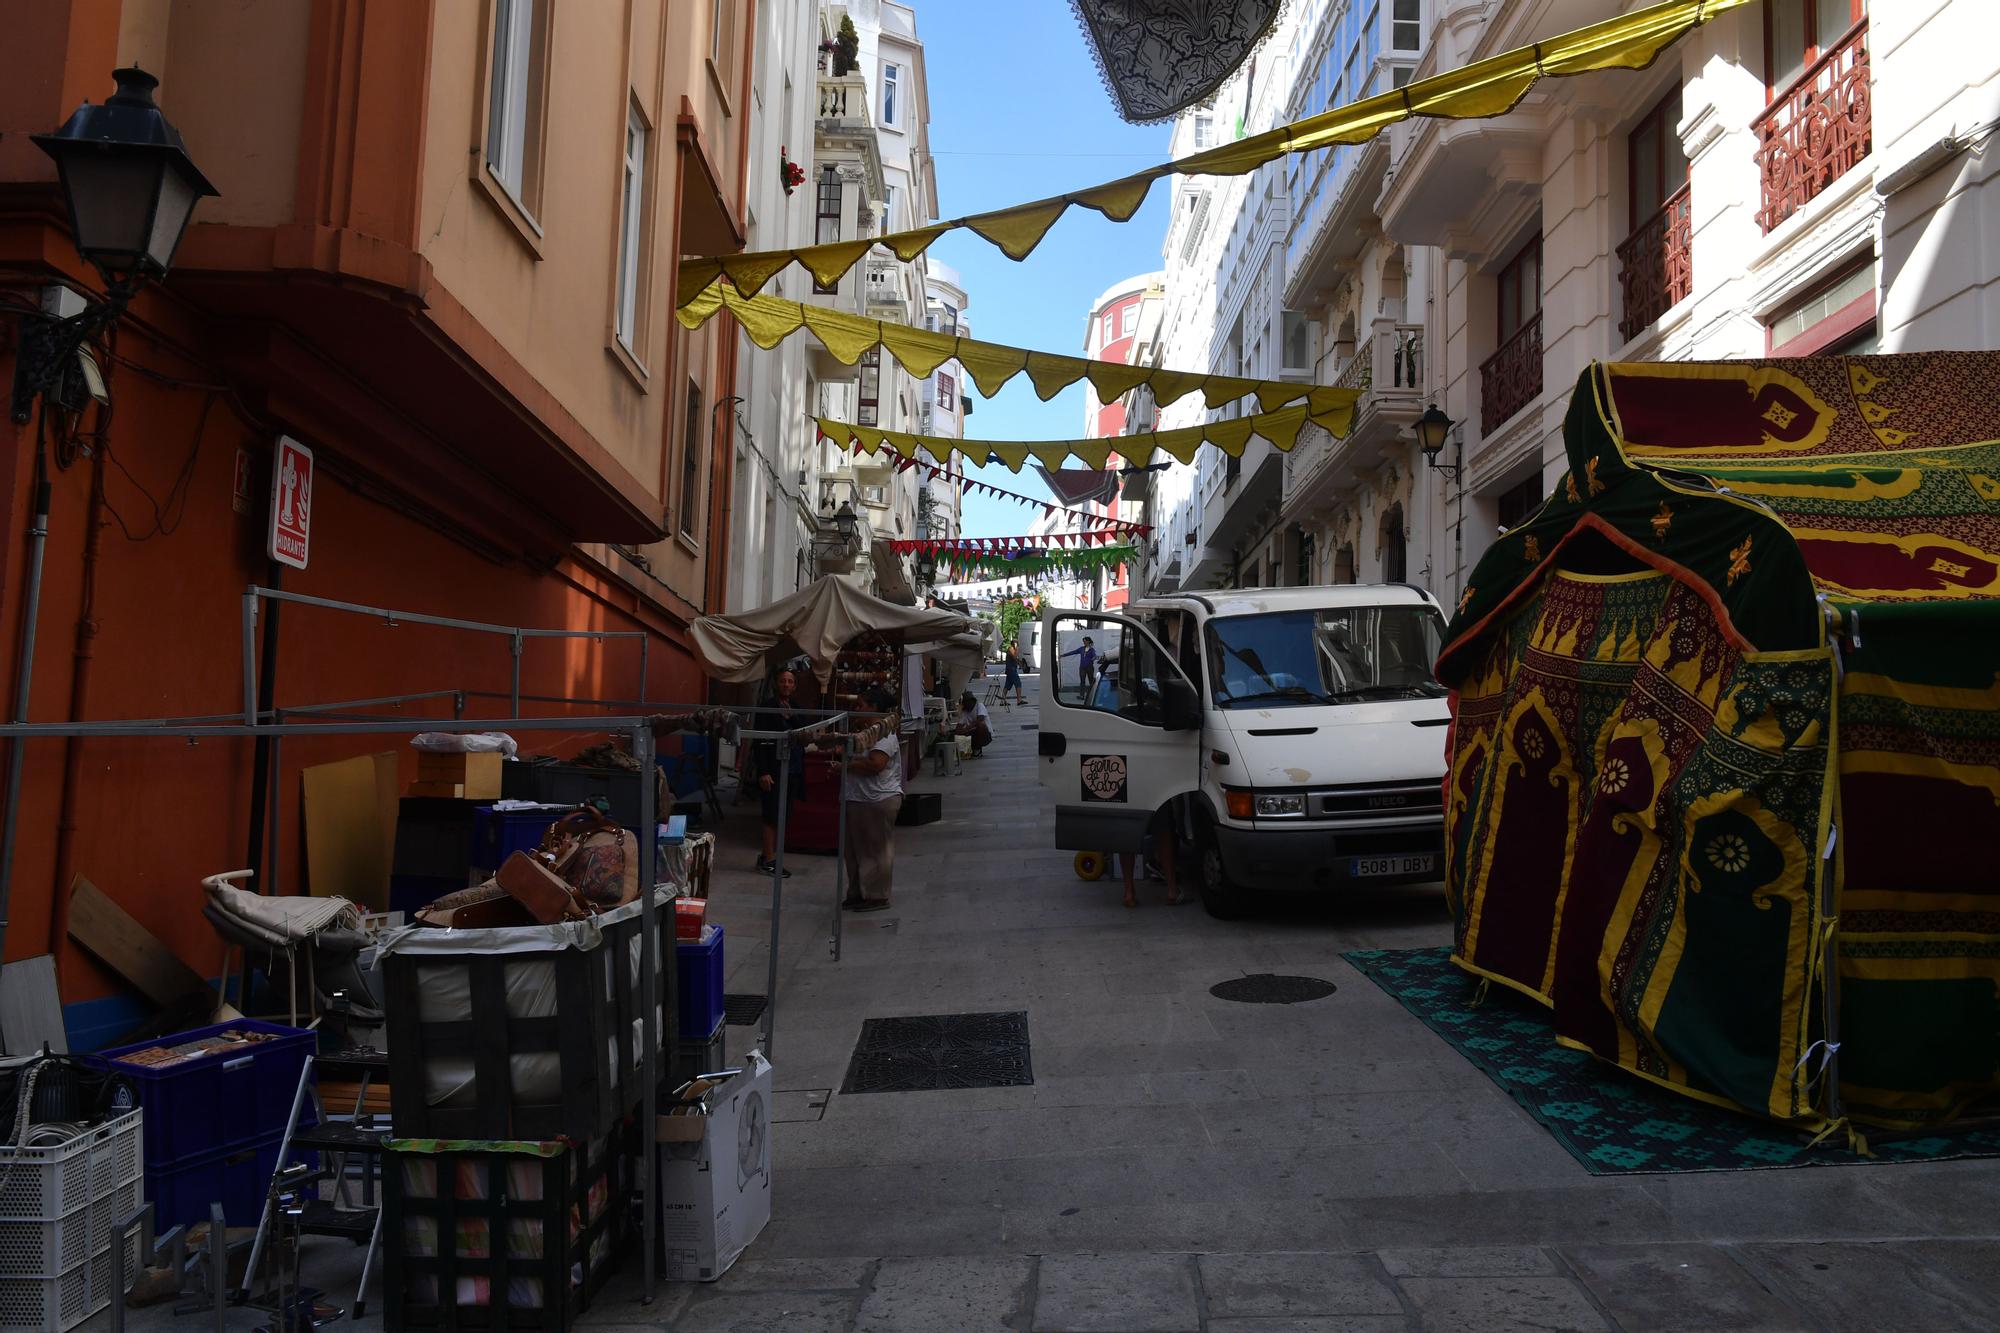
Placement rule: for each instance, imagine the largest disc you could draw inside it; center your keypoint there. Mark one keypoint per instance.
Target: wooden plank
(350, 816)
(108, 933)
(31, 1008)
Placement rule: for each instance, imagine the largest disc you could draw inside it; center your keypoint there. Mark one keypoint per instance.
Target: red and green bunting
(1001, 557)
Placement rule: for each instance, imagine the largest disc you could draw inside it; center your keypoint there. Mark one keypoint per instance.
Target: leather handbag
(594, 856)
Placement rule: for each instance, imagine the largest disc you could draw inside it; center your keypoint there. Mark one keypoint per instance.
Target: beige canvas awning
(817, 622)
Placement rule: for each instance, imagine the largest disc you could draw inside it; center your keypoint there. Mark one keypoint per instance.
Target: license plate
(1362, 866)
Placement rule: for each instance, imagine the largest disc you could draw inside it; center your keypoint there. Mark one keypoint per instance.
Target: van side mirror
(1182, 705)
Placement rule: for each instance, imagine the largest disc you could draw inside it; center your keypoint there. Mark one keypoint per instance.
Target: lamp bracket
(45, 361)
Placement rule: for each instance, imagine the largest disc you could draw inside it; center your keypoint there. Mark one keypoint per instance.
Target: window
(1128, 320)
(1521, 289)
(691, 461)
(1657, 163)
(1798, 32)
(1107, 328)
(892, 78)
(1334, 655)
(1303, 571)
(1837, 319)
(947, 391)
(721, 35)
(950, 321)
(514, 99)
(631, 247)
(1406, 26)
(1295, 338)
(868, 409)
(1395, 548)
(826, 227)
(1518, 503)
(1204, 131)
(1111, 667)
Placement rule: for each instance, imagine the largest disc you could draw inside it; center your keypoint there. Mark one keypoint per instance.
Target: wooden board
(109, 934)
(350, 818)
(30, 1008)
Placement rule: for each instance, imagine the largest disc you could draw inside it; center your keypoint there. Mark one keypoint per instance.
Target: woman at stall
(874, 796)
(974, 721)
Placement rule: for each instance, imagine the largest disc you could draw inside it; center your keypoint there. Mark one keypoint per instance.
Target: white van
(1294, 738)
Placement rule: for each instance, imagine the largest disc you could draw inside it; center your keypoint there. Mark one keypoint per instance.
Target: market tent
(817, 621)
(1727, 725)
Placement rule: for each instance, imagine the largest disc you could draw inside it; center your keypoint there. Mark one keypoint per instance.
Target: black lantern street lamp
(131, 189)
(845, 520)
(1433, 429)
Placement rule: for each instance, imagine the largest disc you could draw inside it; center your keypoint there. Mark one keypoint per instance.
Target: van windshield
(1328, 655)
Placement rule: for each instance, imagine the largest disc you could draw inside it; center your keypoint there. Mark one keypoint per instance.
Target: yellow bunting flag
(1483, 89)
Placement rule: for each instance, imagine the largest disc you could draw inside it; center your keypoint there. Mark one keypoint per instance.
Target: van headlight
(1291, 804)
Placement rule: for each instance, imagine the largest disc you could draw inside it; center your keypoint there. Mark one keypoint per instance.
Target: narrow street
(1185, 1162)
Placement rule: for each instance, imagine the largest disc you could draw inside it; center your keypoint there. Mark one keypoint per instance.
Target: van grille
(1390, 799)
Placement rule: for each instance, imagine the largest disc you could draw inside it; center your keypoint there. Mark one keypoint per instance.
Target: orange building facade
(442, 258)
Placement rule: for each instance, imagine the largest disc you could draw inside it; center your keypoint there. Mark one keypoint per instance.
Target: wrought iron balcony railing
(1816, 130)
(1511, 378)
(1656, 264)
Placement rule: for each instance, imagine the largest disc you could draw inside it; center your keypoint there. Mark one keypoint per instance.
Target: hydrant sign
(291, 503)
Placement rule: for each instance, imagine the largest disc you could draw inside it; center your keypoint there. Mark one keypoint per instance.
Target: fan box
(715, 1176)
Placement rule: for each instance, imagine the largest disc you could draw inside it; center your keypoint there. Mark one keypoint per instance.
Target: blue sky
(1018, 113)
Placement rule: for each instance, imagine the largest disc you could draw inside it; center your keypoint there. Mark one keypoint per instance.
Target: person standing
(1013, 680)
(1085, 654)
(974, 721)
(874, 792)
(778, 714)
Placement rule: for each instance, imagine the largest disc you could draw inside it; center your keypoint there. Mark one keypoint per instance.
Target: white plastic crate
(51, 1248)
(49, 1184)
(58, 1304)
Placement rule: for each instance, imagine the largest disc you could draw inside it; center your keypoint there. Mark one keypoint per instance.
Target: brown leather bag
(595, 857)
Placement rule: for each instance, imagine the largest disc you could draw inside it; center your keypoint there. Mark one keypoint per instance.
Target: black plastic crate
(571, 784)
(592, 1033)
(434, 837)
(495, 1235)
(921, 807)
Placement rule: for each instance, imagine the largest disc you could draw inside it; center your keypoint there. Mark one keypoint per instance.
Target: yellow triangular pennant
(990, 364)
(1053, 374)
(919, 350)
(1119, 199)
(845, 336)
(1229, 436)
(1017, 231)
(1113, 381)
(828, 263)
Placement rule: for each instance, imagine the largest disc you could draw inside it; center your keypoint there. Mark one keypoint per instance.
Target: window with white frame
(1128, 320)
(1204, 131)
(947, 391)
(519, 70)
(892, 91)
(631, 233)
(1295, 341)
(1406, 25)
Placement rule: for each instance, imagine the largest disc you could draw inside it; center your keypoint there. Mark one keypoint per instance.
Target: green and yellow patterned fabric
(1728, 726)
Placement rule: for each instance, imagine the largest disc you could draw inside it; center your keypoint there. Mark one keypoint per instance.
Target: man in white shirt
(874, 790)
(974, 721)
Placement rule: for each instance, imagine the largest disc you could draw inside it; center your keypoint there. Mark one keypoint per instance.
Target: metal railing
(1815, 131)
(1656, 263)
(1511, 378)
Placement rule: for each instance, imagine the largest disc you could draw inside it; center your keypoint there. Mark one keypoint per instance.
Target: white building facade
(1801, 177)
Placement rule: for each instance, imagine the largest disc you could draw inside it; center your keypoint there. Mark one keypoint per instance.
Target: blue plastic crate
(217, 1103)
(238, 1178)
(700, 968)
(498, 834)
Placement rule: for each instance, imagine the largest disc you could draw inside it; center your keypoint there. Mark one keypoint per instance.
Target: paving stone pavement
(1181, 1162)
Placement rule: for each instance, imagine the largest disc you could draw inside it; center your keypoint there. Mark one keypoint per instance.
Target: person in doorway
(1085, 654)
(974, 721)
(1161, 848)
(778, 713)
(1013, 680)
(874, 795)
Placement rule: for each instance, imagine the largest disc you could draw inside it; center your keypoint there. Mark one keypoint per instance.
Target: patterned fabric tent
(1725, 770)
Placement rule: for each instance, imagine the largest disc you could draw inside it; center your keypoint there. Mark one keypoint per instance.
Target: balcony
(1814, 132)
(843, 102)
(1656, 264)
(884, 295)
(1388, 368)
(1511, 378)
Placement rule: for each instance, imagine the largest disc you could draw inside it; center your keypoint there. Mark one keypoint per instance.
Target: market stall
(1725, 760)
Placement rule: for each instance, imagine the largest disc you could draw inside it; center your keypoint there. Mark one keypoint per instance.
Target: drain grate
(742, 1010)
(940, 1051)
(1270, 988)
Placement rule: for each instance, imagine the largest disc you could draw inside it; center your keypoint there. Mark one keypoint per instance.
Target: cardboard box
(466, 776)
(715, 1177)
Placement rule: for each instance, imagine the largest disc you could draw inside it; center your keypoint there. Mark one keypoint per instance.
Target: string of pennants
(998, 545)
(1096, 522)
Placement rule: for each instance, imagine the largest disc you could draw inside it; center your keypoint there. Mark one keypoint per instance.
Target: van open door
(1120, 729)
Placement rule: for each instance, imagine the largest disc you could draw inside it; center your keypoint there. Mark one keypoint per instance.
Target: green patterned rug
(1611, 1122)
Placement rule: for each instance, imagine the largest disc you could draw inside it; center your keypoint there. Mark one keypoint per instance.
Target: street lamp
(845, 519)
(1433, 429)
(131, 189)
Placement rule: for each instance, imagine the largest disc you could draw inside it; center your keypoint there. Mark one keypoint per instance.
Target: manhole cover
(1269, 988)
(742, 1010)
(940, 1051)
